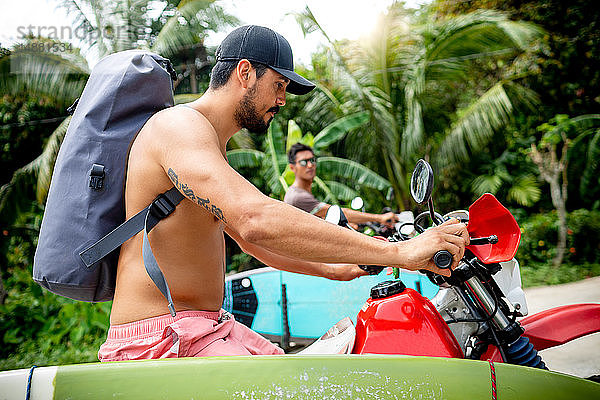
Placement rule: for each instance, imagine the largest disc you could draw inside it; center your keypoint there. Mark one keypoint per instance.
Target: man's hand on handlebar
(451, 236)
(388, 219)
(344, 272)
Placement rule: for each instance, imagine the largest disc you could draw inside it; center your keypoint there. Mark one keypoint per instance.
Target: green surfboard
(295, 377)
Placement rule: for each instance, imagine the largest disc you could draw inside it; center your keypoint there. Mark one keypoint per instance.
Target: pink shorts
(188, 334)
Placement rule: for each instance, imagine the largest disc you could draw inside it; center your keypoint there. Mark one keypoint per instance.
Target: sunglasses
(305, 162)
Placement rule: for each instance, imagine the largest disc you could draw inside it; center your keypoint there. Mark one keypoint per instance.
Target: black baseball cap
(265, 46)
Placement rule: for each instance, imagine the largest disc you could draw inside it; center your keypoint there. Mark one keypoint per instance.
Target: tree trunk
(193, 82)
(559, 201)
(551, 170)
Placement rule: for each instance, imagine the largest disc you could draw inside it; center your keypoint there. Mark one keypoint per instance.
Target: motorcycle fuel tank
(397, 320)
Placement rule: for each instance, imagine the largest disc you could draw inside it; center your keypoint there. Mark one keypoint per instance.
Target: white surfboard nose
(13, 384)
(339, 339)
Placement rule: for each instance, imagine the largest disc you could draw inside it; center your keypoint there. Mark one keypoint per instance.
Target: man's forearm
(310, 238)
(283, 262)
(358, 217)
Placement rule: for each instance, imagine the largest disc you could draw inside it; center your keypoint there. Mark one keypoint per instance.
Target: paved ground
(580, 357)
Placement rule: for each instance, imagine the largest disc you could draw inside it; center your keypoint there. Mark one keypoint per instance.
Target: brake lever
(492, 239)
(372, 269)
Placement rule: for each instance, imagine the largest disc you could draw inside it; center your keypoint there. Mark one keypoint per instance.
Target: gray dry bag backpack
(83, 224)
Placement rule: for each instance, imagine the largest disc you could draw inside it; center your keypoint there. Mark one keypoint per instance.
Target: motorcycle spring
(521, 352)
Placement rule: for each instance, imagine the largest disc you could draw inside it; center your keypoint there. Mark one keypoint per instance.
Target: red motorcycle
(474, 315)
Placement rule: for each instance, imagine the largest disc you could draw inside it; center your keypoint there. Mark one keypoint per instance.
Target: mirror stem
(434, 218)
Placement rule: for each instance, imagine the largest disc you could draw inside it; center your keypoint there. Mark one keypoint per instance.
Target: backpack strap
(162, 209)
(146, 219)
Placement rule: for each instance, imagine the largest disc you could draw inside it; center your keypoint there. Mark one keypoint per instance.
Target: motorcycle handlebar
(371, 269)
(443, 259)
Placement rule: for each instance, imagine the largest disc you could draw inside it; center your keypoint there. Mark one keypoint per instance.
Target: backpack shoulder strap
(146, 219)
(162, 206)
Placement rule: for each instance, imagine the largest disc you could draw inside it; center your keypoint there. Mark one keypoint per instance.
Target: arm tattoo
(189, 193)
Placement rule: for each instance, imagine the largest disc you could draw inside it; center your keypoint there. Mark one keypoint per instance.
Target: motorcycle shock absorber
(521, 352)
(516, 348)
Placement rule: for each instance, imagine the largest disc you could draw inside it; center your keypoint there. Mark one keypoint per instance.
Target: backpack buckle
(162, 207)
(97, 176)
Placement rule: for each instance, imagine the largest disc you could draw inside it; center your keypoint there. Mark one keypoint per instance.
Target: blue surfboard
(278, 303)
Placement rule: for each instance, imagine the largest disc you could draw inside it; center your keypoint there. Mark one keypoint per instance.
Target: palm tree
(551, 155)
(518, 186)
(274, 167)
(401, 74)
(61, 75)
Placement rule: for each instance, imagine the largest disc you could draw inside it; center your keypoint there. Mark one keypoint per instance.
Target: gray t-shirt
(302, 199)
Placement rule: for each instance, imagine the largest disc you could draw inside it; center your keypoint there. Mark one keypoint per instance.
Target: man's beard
(246, 115)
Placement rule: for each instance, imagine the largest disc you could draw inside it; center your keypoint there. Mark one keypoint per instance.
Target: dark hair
(295, 149)
(222, 71)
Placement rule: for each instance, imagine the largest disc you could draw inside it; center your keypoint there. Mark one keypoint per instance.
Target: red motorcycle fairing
(554, 327)
(405, 323)
(492, 354)
(562, 324)
(487, 216)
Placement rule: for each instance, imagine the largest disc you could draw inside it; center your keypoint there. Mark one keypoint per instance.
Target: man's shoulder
(178, 119)
(294, 192)
(302, 199)
(174, 131)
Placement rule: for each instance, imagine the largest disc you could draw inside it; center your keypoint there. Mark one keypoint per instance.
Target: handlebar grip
(443, 259)
(371, 269)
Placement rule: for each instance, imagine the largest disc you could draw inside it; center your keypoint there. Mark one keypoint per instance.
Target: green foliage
(563, 69)
(276, 173)
(520, 185)
(568, 61)
(414, 78)
(540, 234)
(242, 262)
(542, 274)
(537, 248)
(21, 142)
(39, 327)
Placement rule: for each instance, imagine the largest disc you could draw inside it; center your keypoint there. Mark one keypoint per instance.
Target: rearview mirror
(421, 182)
(336, 216)
(357, 203)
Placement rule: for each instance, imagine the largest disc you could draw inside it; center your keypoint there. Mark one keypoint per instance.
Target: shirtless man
(303, 164)
(185, 145)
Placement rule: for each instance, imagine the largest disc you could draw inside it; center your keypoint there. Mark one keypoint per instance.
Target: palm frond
(294, 134)
(241, 140)
(245, 158)
(275, 159)
(478, 33)
(308, 23)
(33, 179)
(354, 172)
(592, 167)
(329, 196)
(57, 76)
(192, 21)
(524, 190)
(476, 125)
(335, 131)
(413, 135)
(582, 123)
(341, 191)
(45, 161)
(486, 184)
(80, 21)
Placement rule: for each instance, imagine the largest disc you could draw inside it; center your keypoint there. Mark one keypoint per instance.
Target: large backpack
(83, 227)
